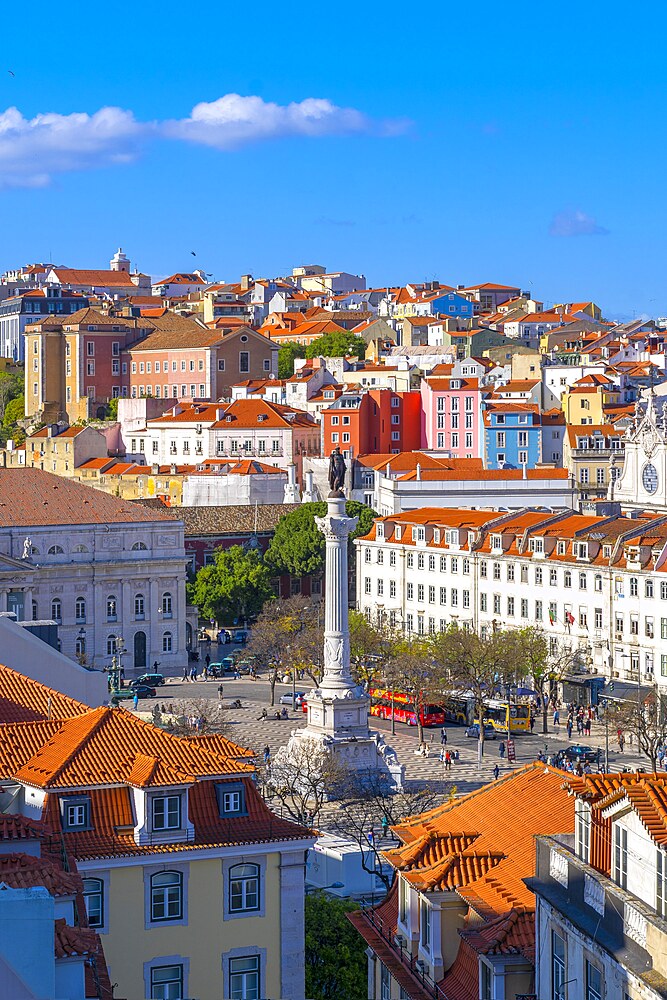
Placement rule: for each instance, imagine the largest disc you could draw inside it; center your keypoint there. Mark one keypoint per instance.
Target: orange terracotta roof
(25, 700)
(106, 746)
(71, 941)
(22, 871)
(512, 933)
(31, 498)
(15, 827)
(74, 276)
(534, 793)
(181, 279)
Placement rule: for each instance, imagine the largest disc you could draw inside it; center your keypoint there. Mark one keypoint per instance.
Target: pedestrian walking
(267, 754)
(448, 761)
(557, 718)
(219, 692)
(207, 661)
(135, 701)
(501, 750)
(185, 673)
(385, 826)
(443, 736)
(496, 772)
(569, 729)
(532, 722)
(371, 836)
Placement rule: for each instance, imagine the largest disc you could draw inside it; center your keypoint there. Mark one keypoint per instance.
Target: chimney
(155, 469)
(419, 472)
(309, 491)
(524, 474)
(246, 280)
(292, 494)
(172, 470)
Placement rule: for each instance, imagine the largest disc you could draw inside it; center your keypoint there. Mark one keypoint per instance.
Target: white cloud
(233, 120)
(32, 150)
(574, 222)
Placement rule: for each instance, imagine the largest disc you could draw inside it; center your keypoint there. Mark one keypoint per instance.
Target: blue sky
(519, 143)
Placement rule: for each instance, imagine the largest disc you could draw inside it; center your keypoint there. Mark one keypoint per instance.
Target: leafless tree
(645, 719)
(282, 639)
(370, 808)
(190, 716)
(303, 781)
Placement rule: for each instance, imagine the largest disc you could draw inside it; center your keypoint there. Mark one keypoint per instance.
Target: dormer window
(399, 532)
(561, 548)
(496, 542)
(231, 799)
(418, 534)
(436, 535)
(536, 545)
(581, 550)
(379, 530)
(606, 551)
(167, 812)
(452, 537)
(75, 813)
(455, 383)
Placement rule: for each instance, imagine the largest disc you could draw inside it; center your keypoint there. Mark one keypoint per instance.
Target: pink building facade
(452, 416)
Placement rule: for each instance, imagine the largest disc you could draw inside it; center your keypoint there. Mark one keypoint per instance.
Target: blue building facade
(454, 305)
(512, 437)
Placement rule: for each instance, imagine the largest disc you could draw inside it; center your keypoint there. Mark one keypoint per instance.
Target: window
(510, 572)
(524, 607)
(167, 982)
(56, 610)
(593, 982)
(482, 602)
(139, 547)
(221, 364)
(621, 856)
(648, 588)
(424, 924)
(80, 610)
(557, 966)
(244, 361)
(231, 799)
(166, 896)
(167, 642)
(243, 888)
(486, 981)
(660, 882)
(392, 588)
(634, 586)
(567, 577)
(75, 814)
(111, 645)
(538, 611)
(112, 609)
(496, 604)
(55, 550)
(244, 978)
(93, 894)
(385, 982)
(167, 812)
(510, 607)
(166, 605)
(139, 609)
(583, 830)
(482, 569)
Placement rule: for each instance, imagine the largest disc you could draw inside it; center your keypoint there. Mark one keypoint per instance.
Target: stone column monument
(338, 708)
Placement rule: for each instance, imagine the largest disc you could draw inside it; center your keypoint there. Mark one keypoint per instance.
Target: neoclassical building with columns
(102, 567)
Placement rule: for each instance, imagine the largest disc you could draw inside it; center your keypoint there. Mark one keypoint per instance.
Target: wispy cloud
(574, 222)
(33, 150)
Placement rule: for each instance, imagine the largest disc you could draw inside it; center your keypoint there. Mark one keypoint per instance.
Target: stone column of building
(337, 678)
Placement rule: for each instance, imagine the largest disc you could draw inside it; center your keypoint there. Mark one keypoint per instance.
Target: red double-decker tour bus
(404, 708)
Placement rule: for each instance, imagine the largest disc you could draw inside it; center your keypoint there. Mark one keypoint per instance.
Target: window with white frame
(167, 605)
(112, 608)
(620, 856)
(244, 978)
(424, 924)
(166, 896)
(57, 610)
(167, 812)
(139, 607)
(93, 897)
(166, 982)
(167, 642)
(557, 966)
(244, 890)
(80, 610)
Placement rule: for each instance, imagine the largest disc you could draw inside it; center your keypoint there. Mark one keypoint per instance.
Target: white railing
(594, 894)
(634, 925)
(558, 867)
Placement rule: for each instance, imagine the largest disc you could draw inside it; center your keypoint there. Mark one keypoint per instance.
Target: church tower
(642, 483)
(119, 262)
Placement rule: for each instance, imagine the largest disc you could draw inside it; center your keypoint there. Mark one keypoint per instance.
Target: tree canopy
(286, 355)
(335, 953)
(337, 345)
(235, 585)
(298, 545)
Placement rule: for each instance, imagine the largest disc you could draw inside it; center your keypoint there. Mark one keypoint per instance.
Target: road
(245, 726)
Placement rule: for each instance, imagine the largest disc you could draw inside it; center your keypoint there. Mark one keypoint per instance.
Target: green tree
(112, 409)
(235, 585)
(286, 357)
(336, 965)
(337, 345)
(298, 546)
(14, 411)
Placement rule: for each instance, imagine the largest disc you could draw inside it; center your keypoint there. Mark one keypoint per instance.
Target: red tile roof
(25, 700)
(32, 498)
(22, 871)
(70, 941)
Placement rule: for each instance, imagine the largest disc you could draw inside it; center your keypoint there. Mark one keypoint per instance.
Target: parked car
(127, 693)
(151, 680)
(489, 732)
(222, 668)
(286, 699)
(240, 635)
(578, 751)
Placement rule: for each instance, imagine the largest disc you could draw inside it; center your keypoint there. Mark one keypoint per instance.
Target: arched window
(139, 613)
(34, 611)
(166, 605)
(167, 896)
(93, 894)
(80, 548)
(57, 610)
(112, 608)
(34, 551)
(111, 645)
(167, 645)
(80, 645)
(80, 609)
(243, 888)
(139, 547)
(55, 550)
(598, 581)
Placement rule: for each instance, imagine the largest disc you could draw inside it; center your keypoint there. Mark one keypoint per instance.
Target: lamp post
(117, 663)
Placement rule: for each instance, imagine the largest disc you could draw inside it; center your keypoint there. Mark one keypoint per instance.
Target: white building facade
(595, 584)
(102, 568)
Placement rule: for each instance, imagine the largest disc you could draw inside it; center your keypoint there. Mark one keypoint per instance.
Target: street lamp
(117, 663)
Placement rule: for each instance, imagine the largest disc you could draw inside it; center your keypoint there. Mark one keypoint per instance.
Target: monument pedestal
(338, 709)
